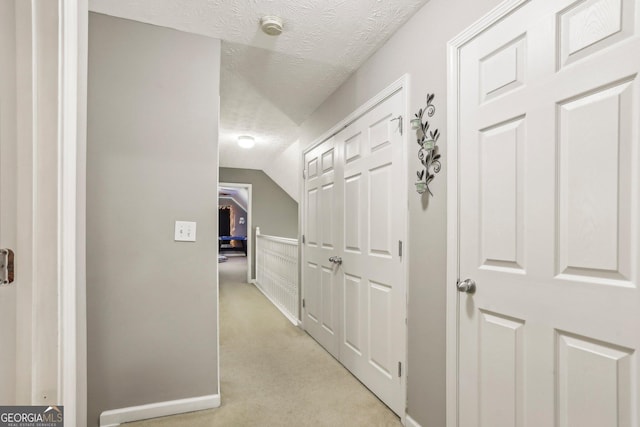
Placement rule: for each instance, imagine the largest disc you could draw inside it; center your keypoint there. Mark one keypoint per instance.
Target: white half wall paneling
(277, 273)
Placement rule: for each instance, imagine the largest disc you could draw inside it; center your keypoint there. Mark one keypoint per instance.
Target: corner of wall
(410, 422)
(285, 170)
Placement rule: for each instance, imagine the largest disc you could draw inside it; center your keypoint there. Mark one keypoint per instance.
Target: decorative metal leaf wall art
(427, 139)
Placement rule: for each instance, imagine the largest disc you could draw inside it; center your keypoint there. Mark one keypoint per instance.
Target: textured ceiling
(270, 85)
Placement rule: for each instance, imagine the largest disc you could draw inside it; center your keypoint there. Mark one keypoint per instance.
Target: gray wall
(418, 48)
(272, 209)
(152, 160)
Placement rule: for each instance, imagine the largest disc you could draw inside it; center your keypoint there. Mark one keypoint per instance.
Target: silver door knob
(335, 260)
(467, 285)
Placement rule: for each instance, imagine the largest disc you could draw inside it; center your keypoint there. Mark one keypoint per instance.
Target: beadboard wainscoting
(277, 273)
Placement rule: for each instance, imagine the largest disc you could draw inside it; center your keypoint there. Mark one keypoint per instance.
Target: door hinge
(303, 303)
(399, 247)
(399, 369)
(399, 119)
(303, 239)
(304, 174)
(6, 266)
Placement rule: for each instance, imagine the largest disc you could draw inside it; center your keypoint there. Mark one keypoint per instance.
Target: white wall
(285, 169)
(418, 48)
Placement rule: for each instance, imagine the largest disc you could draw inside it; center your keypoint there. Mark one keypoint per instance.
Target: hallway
(265, 375)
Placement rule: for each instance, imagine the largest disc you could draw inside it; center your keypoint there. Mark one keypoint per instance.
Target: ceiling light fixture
(246, 141)
(271, 25)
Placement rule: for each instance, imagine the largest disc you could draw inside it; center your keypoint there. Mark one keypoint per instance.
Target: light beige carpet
(274, 374)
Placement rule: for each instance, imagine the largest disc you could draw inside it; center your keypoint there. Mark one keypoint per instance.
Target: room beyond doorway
(235, 226)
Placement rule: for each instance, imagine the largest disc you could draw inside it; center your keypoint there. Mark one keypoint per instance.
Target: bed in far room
(227, 243)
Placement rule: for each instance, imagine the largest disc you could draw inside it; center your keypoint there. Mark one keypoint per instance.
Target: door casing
(51, 63)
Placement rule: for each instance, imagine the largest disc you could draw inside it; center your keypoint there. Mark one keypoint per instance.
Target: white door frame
(73, 65)
(51, 110)
(249, 188)
(453, 214)
(402, 84)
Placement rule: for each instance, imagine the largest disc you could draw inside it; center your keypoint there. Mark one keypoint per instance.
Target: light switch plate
(185, 231)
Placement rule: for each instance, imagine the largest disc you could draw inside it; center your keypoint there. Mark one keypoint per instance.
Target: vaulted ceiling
(270, 85)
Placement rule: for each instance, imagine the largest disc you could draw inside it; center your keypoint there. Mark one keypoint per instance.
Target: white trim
(452, 239)
(410, 422)
(217, 165)
(51, 228)
(300, 234)
(285, 240)
(401, 84)
(407, 235)
(115, 417)
(71, 286)
(249, 188)
(453, 68)
(496, 14)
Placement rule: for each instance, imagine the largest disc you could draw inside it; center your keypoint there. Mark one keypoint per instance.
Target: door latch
(6, 266)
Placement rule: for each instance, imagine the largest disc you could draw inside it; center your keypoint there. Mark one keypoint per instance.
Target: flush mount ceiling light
(246, 141)
(271, 25)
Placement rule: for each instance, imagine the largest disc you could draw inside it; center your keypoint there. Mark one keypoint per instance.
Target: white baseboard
(115, 417)
(410, 422)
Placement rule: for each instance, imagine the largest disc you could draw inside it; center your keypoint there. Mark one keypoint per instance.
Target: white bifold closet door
(354, 211)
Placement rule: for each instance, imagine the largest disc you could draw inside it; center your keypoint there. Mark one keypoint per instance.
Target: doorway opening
(234, 223)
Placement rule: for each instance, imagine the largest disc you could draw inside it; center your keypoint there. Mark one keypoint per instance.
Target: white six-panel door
(321, 315)
(548, 217)
(356, 209)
